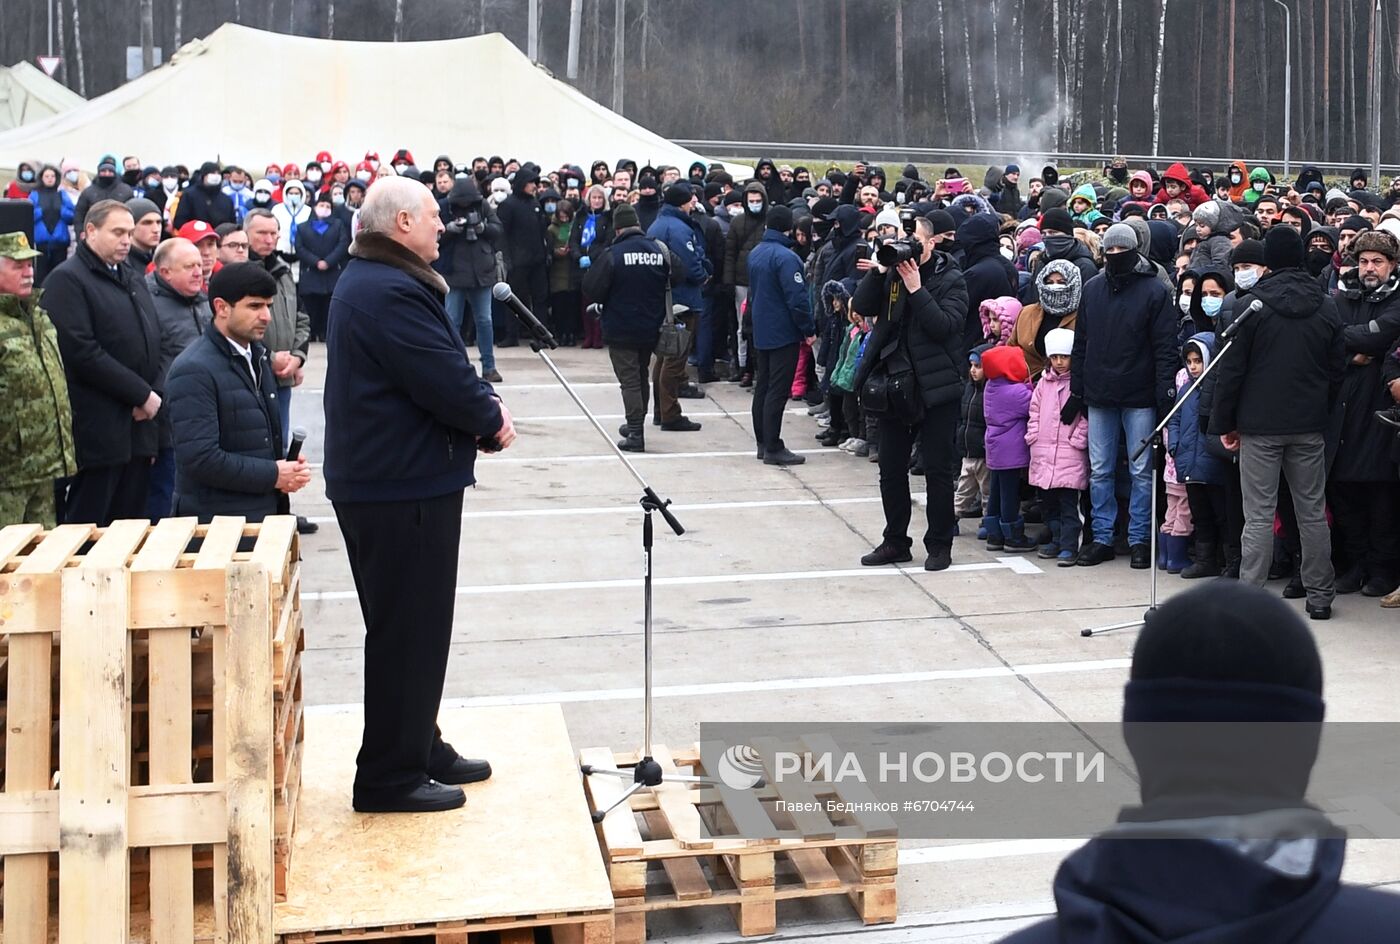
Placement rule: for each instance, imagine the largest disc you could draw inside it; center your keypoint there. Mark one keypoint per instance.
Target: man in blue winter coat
(686, 240)
(782, 321)
(1225, 846)
(405, 416)
(1123, 372)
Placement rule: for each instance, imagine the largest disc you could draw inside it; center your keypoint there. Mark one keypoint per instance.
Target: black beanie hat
(713, 189)
(780, 219)
(1356, 224)
(942, 222)
(241, 280)
(1248, 251)
(678, 194)
(1211, 664)
(1283, 248)
(825, 207)
(1057, 220)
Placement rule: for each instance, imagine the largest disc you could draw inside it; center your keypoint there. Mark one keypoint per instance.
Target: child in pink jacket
(1059, 453)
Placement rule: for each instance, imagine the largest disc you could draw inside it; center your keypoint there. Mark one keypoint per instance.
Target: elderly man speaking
(405, 416)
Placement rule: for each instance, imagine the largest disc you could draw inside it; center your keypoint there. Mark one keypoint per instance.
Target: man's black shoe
(463, 770)
(940, 559)
(1295, 589)
(622, 430)
(682, 425)
(830, 439)
(632, 444)
(744, 381)
(1351, 581)
(690, 392)
(306, 527)
(783, 456)
(1319, 612)
(1141, 557)
(887, 553)
(1095, 553)
(428, 797)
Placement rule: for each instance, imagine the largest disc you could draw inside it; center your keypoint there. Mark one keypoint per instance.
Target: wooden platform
(151, 697)
(678, 847)
(521, 854)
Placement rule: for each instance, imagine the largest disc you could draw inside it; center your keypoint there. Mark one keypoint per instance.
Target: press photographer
(913, 382)
(472, 236)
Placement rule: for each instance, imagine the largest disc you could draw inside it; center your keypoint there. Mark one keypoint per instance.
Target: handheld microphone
(1254, 307)
(505, 296)
(298, 437)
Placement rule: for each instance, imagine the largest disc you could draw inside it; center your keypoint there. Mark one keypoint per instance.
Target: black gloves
(1073, 409)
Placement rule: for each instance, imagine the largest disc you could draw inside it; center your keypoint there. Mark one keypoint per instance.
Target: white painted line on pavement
(488, 460)
(631, 507)
(320, 391)
(570, 417)
(1015, 564)
(763, 685)
(970, 852)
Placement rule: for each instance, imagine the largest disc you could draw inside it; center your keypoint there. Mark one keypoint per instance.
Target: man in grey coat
(289, 333)
(182, 309)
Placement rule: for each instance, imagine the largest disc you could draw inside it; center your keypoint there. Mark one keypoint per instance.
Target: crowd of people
(1012, 349)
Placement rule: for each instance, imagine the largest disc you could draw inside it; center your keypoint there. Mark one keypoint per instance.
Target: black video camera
(892, 252)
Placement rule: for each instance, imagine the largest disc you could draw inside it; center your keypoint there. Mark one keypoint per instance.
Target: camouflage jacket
(36, 423)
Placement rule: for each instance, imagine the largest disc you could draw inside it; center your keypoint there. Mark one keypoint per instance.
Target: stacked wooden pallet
(678, 846)
(152, 712)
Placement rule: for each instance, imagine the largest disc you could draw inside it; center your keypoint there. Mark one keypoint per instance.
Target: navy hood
(977, 230)
(1192, 891)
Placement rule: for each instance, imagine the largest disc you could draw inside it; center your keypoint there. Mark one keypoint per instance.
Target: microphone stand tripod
(648, 773)
(1154, 440)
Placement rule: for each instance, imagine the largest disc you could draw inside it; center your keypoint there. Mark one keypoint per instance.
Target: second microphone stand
(1154, 442)
(648, 772)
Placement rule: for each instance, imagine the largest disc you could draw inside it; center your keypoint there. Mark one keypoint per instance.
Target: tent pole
(532, 41)
(619, 49)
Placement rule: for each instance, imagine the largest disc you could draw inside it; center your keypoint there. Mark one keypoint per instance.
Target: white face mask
(736, 210)
(170, 183)
(293, 201)
(313, 176)
(1007, 254)
(363, 175)
(337, 199)
(323, 212)
(1246, 278)
(1184, 303)
(71, 176)
(212, 180)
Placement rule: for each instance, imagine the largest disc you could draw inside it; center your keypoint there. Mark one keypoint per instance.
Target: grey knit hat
(1119, 236)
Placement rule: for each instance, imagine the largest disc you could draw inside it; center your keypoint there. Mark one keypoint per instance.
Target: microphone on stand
(505, 296)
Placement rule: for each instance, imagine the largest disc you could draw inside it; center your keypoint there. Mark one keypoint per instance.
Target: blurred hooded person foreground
(1224, 849)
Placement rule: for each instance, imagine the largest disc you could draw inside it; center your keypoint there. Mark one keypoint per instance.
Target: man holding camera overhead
(782, 321)
(911, 376)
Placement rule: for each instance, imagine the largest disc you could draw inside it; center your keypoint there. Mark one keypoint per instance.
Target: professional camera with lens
(894, 251)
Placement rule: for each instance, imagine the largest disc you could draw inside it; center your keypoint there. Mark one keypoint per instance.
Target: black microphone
(505, 296)
(1234, 327)
(298, 437)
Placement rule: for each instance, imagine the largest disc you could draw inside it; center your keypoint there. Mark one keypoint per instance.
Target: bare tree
(619, 53)
(899, 115)
(330, 19)
(1326, 80)
(179, 17)
(996, 70)
(798, 8)
(1157, 82)
(844, 61)
(971, 100)
(1117, 77)
(148, 35)
(1230, 84)
(398, 19)
(646, 33)
(943, 69)
(78, 49)
(60, 22)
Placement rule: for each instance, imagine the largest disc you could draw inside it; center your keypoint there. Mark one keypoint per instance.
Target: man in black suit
(223, 399)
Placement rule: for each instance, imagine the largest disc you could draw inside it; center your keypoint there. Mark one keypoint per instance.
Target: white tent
(249, 97)
(28, 95)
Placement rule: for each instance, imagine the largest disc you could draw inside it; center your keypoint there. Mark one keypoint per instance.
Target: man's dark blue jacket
(404, 407)
(779, 305)
(228, 437)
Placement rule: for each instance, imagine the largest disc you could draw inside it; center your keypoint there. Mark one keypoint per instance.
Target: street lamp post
(1287, 88)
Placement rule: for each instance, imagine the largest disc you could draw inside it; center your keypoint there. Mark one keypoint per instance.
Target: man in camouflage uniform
(36, 425)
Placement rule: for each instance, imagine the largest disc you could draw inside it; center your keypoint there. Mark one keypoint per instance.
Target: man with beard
(1361, 483)
(1273, 398)
(105, 187)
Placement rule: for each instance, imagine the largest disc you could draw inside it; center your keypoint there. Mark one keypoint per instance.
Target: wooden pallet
(677, 846)
(589, 928)
(144, 723)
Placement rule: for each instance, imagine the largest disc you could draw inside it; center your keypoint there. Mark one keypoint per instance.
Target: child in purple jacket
(1006, 403)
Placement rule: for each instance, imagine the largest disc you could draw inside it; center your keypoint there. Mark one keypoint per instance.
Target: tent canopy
(28, 95)
(226, 98)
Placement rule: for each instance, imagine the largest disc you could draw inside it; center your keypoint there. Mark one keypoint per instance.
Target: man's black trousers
(936, 435)
(403, 556)
(772, 386)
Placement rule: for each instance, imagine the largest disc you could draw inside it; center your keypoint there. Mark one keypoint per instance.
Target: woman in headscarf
(1059, 285)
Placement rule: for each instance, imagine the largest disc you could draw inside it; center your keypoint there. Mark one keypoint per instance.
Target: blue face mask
(1211, 306)
(551, 207)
